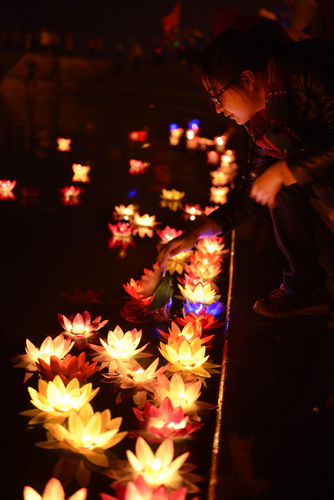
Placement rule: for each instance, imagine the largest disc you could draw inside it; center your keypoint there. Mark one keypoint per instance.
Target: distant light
(132, 193)
(173, 126)
(194, 124)
(177, 43)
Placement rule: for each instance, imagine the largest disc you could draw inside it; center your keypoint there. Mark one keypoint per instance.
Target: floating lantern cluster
(165, 391)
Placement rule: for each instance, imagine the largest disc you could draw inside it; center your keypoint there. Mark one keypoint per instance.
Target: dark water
(49, 249)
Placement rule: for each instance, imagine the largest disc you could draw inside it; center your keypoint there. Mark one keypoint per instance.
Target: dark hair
(233, 51)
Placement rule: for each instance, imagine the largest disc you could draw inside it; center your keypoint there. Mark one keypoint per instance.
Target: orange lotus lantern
(192, 211)
(6, 189)
(80, 172)
(214, 245)
(64, 144)
(227, 158)
(205, 270)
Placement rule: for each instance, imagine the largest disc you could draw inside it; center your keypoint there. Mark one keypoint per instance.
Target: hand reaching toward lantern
(268, 184)
(185, 242)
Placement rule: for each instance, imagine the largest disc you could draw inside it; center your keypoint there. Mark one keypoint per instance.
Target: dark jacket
(308, 66)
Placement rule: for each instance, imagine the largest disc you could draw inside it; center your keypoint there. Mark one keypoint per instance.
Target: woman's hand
(268, 184)
(182, 243)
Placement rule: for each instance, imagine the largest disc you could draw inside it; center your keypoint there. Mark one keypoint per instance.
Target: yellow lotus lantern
(159, 467)
(59, 347)
(172, 194)
(186, 356)
(227, 158)
(124, 212)
(80, 173)
(144, 225)
(54, 400)
(64, 144)
(53, 491)
(184, 393)
(86, 433)
(119, 346)
(219, 178)
(177, 262)
(203, 293)
(219, 194)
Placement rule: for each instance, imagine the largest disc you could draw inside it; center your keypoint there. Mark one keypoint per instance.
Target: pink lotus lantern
(219, 194)
(70, 195)
(138, 136)
(80, 327)
(167, 234)
(121, 235)
(140, 490)
(192, 211)
(64, 144)
(53, 491)
(165, 422)
(6, 189)
(137, 166)
(80, 173)
(212, 157)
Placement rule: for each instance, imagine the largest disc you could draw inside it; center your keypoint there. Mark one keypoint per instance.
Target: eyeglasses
(216, 98)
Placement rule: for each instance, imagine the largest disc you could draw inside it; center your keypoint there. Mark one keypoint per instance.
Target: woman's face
(239, 103)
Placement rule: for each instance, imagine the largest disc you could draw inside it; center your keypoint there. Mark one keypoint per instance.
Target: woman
(283, 94)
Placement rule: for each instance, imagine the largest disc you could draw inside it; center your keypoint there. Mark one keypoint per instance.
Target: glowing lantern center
(85, 439)
(156, 465)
